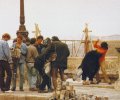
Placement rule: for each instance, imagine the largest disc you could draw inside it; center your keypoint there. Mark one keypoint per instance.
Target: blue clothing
(21, 73)
(5, 53)
(39, 48)
(23, 50)
(19, 64)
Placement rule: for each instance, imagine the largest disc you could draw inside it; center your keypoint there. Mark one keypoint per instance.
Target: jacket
(5, 53)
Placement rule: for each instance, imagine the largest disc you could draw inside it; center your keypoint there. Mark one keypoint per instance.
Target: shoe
(21, 90)
(92, 82)
(98, 81)
(9, 91)
(86, 83)
(32, 89)
(13, 89)
(42, 91)
(50, 90)
(3, 89)
(110, 83)
(39, 91)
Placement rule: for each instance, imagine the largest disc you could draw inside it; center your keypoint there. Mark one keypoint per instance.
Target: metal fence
(76, 47)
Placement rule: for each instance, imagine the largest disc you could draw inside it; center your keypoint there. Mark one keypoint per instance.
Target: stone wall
(112, 66)
(111, 62)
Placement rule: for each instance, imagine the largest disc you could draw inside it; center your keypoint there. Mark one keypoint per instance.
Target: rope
(79, 45)
(92, 43)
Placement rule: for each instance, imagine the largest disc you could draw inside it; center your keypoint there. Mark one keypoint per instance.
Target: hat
(55, 38)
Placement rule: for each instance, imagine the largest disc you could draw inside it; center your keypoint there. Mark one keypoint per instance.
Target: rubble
(66, 91)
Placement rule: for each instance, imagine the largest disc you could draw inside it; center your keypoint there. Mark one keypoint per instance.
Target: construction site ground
(99, 90)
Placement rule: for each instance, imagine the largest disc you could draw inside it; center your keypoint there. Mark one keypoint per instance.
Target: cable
(80, 44)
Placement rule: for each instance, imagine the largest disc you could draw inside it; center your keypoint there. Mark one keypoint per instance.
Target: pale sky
(64, 18)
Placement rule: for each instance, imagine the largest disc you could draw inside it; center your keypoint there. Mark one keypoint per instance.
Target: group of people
(41, 53)
(34, 56)
(93, 61)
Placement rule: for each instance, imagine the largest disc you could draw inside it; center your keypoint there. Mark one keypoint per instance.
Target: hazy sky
(64, 18)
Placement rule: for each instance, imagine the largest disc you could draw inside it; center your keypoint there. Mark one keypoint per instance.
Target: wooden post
(86, 41)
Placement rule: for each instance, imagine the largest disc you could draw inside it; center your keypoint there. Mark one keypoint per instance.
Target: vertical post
(86, 41)
(22, 17)
(117, 83)
(22, 29)
(37, 31)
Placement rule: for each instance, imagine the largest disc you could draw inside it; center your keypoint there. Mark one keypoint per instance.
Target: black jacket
(58, 47)
(90, 62)
(62, 51)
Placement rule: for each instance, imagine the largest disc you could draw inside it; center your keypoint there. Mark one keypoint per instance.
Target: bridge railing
(76, 47)
(77, 54)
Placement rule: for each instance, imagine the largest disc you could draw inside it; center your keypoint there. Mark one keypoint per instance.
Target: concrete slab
(100, 90)
(25, 95)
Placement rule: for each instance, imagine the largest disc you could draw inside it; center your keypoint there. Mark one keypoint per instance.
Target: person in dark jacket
(40, 62)
(57, 52)
(59, 64)
(90, 66)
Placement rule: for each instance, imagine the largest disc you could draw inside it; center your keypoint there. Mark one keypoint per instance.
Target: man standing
(59, 64)
(39, 46)
(5, 60)
(45, 70)
(57, 53)
(19, 63)
(102, 49)
(32, 73)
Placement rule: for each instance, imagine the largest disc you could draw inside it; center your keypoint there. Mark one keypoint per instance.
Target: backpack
(15, 53)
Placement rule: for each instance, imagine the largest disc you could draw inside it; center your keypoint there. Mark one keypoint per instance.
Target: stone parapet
(111, 63)
(112, 66)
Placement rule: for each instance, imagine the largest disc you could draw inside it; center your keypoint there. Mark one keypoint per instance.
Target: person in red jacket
(102, 48)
